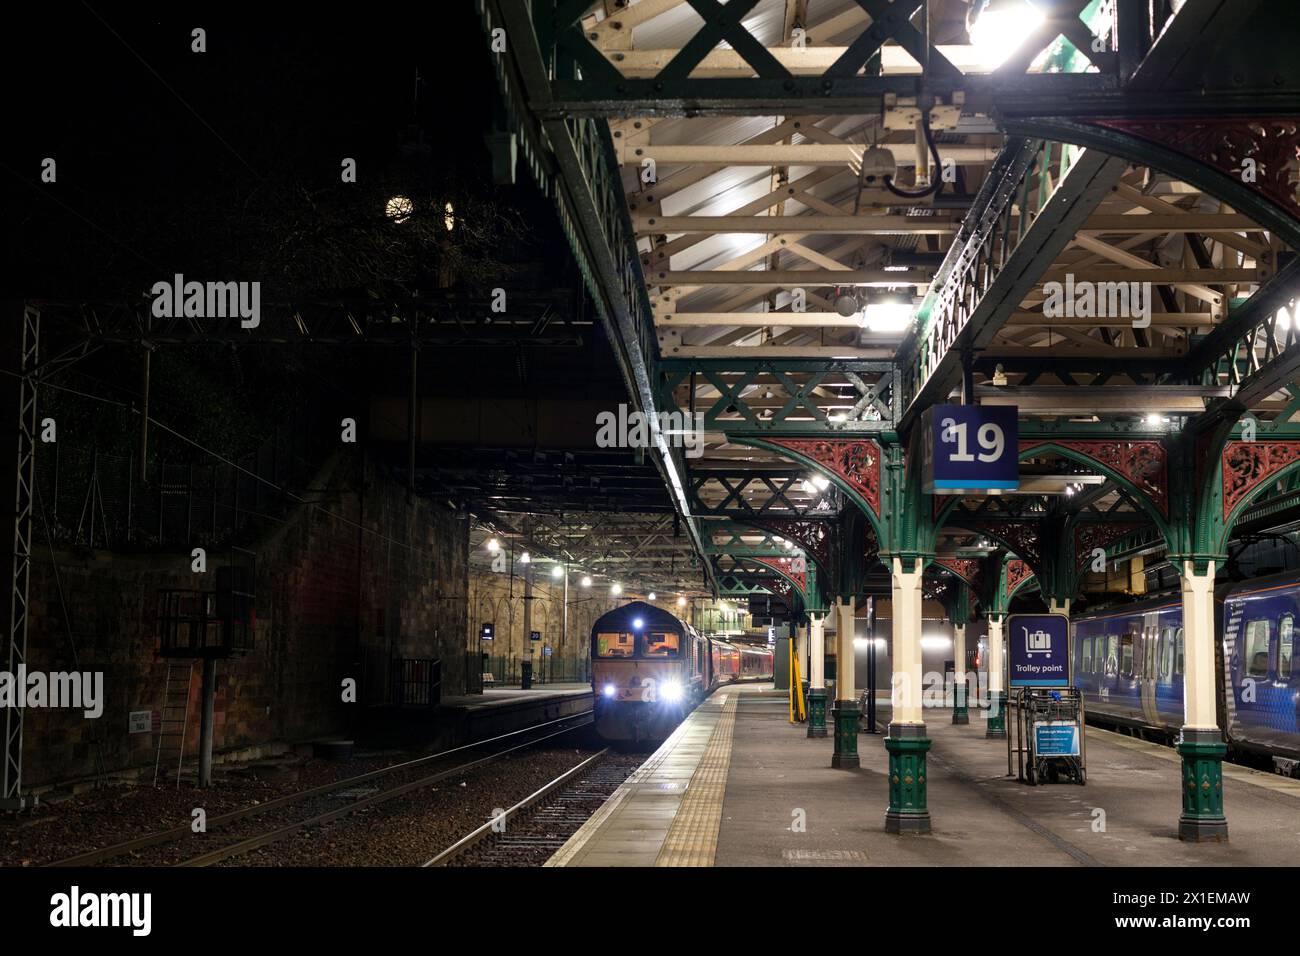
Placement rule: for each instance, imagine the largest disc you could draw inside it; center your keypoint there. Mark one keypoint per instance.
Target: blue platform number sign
(488, 632)
(1038, 652)
(972, 448)
(534, 635)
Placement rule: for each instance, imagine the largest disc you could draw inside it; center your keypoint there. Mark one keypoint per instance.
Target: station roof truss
(714, 160)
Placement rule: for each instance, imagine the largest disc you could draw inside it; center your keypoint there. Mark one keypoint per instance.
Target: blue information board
(971, 448)
(1038, 650)
(1056, 740)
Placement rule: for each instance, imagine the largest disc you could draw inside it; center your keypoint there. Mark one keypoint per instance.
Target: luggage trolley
(1049, 727)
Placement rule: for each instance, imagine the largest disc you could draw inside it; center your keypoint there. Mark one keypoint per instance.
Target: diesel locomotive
(649, 669)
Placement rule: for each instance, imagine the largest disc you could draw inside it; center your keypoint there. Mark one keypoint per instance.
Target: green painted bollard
(845, 713)
(817, 712)
(1202, 820)
(997, 725)
(908, 811)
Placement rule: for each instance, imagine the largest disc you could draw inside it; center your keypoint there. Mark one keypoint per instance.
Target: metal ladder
(176, 700)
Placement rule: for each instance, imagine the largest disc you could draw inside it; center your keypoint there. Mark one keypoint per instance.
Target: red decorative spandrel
(855, 461)
(800, 578)
(968, 569)
(1268, 145)
(1017, 572)
(1248, 464)
(1143, 462)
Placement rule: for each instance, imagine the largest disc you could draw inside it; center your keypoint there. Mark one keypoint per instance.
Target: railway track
(310, 800)
(530, 832)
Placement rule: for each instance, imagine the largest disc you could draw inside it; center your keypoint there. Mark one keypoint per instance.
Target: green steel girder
(574, 162)
(1241, 197)
(1231, 350)
(870, 407)
(604, 91)
(994, 261)
(776, 483)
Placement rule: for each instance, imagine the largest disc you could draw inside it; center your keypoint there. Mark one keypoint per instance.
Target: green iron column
(960, 714)
(816, 674)
(1198, 538)
(997, 721)
(907, 742)
(846, 711)
(1201, 744)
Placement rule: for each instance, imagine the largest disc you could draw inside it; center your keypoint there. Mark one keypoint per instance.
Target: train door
(1168, 689)
(1145, 667)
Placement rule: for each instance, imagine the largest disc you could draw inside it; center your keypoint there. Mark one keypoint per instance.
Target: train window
(1178, 651)
(1086, 665)
(1166, 653)
(661, 644)
(1257, 649)
(1284, 647)
(1126, 655)
(1112, 655)
(615, 645)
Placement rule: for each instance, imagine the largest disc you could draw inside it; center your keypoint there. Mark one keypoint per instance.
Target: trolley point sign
(1038, 650)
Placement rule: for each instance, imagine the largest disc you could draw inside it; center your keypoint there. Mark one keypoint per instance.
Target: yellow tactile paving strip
(1256, 778)
(693, 838)
(636, 823)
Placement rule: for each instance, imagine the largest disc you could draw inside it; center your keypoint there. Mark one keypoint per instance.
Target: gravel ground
(104, 817)
(409, 830)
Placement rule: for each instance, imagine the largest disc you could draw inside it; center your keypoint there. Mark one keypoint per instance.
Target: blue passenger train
(1128, 662)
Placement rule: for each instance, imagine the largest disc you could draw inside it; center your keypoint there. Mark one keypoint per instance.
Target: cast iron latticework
(1020, 536)
(1143, 462)
(1099, 534)
(856, 461)
(799, 578)
(1247, 464)
(814, 537)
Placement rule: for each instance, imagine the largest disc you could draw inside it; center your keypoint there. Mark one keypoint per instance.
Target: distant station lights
(493, 545)
(681, 600)
(651, 597)
(616, 588)
(557, 571)
(525, 558)
(586, 581)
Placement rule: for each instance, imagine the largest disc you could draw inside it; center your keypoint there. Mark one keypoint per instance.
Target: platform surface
(738, 785)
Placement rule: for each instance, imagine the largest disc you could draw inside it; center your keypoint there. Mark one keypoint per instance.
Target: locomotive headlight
(670, 691)
(610, 690)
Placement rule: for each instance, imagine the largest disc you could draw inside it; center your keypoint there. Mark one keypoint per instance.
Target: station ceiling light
(681, 600)
(616, 588)
(997, 28)
(525, 558)
(887, 312)
(586, 581)
(651, 596)
(557, 571)
(493, 545)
